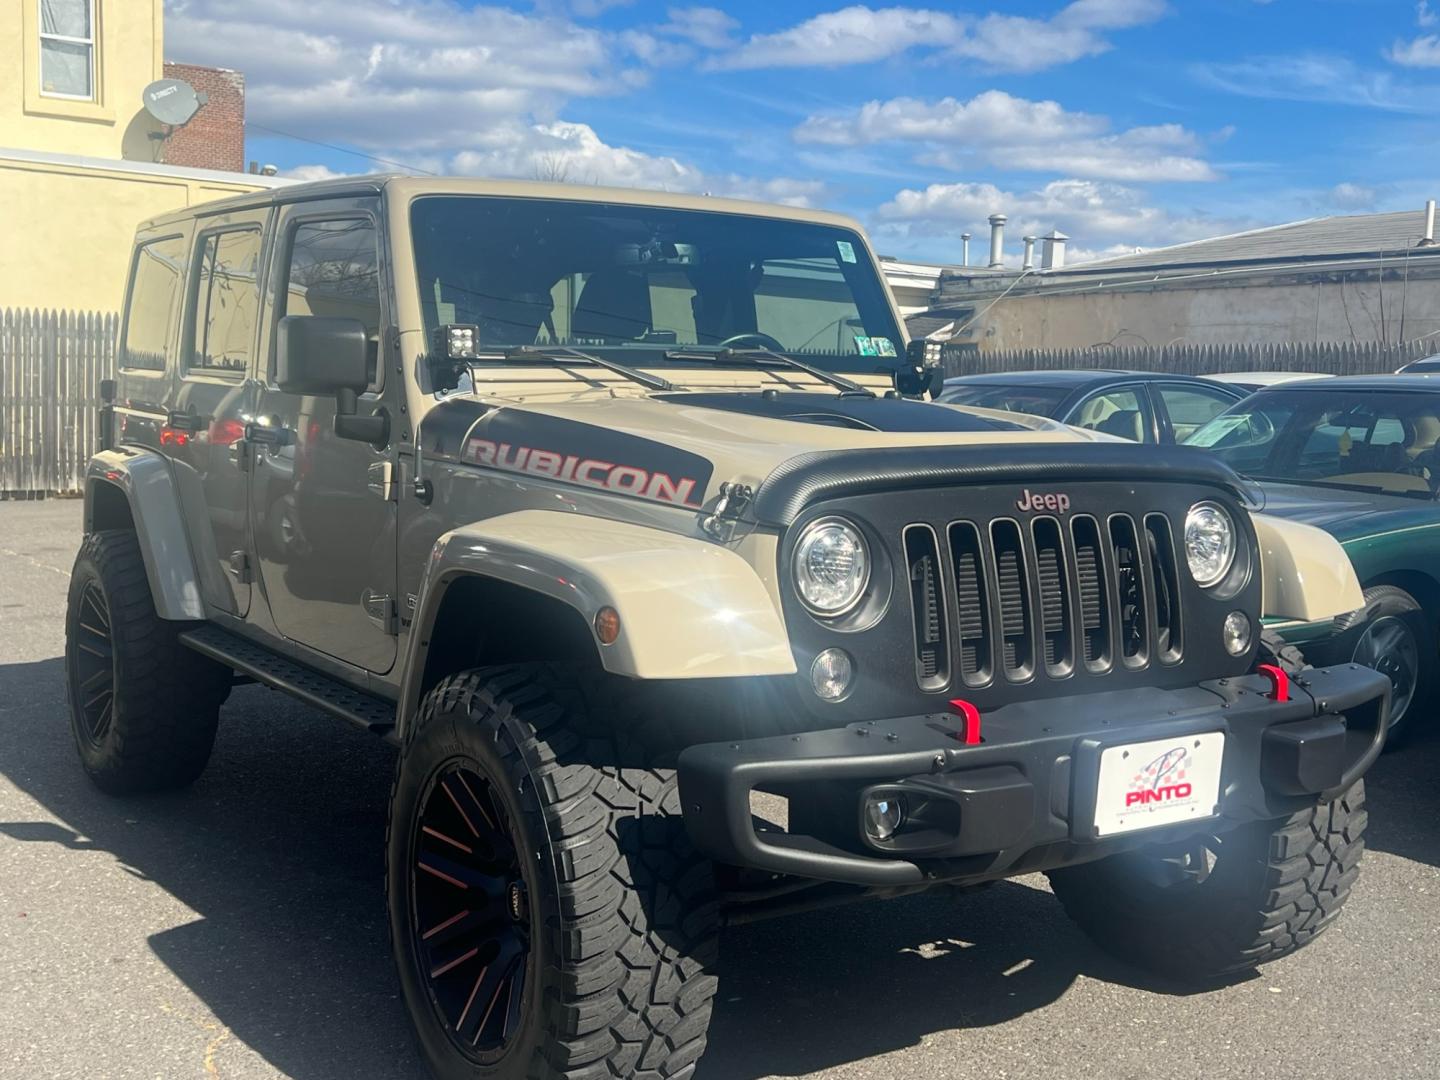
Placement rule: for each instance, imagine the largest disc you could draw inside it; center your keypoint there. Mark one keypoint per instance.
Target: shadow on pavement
(278, 848)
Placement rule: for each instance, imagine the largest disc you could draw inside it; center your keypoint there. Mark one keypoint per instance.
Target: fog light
(830, 674)
(1236, 633)
(883, 816)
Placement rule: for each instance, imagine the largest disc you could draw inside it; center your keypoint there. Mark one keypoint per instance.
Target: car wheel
(1214, 905)
(143, 707)
(547, 913)
(1399, 642)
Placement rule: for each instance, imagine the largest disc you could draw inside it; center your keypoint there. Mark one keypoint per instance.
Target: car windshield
(1366, 441)
(643, 280)
(1037, 400)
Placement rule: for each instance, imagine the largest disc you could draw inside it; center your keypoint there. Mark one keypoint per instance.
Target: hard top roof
(1065, 377)
(1346, 384)
(405, 186)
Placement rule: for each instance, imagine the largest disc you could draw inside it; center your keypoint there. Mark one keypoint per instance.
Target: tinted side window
(1191, 407)
(1114, 412)
(227, 302)
(334, 270)
(155, 285)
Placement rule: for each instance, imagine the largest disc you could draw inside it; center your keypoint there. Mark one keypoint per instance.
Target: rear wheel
(547, 913)
(1214, 905)
(143, 707)
(1399, 642)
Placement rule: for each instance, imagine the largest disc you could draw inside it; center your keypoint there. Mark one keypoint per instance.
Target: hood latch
(734, 498)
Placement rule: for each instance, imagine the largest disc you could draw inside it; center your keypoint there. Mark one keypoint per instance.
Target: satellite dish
(171, 101)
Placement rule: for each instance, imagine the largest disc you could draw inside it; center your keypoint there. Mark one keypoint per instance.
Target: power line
(340, 149)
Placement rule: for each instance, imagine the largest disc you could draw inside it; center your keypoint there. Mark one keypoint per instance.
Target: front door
(323, 518)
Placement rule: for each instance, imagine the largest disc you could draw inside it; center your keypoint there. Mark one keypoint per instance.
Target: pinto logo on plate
(1162, 781)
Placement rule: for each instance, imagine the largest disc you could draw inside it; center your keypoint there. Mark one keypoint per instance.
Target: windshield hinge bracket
(734, 498)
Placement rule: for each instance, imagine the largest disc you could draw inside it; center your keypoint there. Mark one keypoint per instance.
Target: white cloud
(1424, 17)
(860, 34)
(1314, 77)
(707, 27)
(998, 129)
(1097, 215)
(574, 153)
(852, 35)
(1348, 196)
(419, 75)
(1419, 52)
(311, 172)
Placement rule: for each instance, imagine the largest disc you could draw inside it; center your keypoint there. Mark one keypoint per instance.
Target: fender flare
(1305, 573)
(145, 480)
(689, 609)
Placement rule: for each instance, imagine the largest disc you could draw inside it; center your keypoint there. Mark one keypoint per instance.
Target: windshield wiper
(755, 358)
(561, 352)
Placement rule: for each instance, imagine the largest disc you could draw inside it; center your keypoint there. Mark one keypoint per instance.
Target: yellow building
(77, 161)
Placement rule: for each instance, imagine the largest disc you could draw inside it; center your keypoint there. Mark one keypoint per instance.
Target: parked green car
(1359, 457)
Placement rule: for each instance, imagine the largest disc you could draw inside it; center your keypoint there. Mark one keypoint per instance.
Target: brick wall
(215, 137)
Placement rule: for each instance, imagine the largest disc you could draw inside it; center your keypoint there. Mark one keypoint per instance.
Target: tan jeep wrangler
(623, 516)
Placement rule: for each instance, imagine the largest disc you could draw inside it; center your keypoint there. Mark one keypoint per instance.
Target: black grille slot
(1013, 594)
(932, 652)
(1094, 597)
(971, 603)
(1129, 591)
(1163, 572)
(1055, 633)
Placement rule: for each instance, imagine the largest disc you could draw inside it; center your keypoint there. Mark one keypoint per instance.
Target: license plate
(1162, 782)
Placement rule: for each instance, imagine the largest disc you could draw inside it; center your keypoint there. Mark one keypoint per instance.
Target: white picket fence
(51, 364)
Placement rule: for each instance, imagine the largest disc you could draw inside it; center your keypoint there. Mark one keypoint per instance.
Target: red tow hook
(970, 717)
(1279, 681)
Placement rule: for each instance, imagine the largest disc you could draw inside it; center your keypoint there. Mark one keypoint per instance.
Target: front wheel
(1399, 642)
(547, 913)
(1216, 905)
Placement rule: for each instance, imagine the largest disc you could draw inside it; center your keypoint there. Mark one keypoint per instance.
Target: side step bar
(374, 714)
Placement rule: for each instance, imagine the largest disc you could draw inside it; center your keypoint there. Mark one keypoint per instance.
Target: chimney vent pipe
(965, 249)
(1052, 250)
(1028, 263)
(997, 240)
(1428, 240)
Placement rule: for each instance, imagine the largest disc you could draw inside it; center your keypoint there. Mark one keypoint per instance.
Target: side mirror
(316, 354)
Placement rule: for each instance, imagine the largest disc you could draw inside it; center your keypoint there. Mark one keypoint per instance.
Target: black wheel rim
(94, 673)
(472, 912)
(1389, 646)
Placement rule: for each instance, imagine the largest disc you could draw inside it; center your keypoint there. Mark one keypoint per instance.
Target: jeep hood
(707, 438)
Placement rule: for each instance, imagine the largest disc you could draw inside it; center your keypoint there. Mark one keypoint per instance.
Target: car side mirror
(319, 355)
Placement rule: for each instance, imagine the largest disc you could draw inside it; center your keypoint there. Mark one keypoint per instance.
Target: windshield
(1368, 441)
(647, 280)
(1038, 400)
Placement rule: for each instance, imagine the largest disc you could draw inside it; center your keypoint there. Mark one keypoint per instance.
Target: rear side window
(227, 302)
(155, 283)
(334, 270)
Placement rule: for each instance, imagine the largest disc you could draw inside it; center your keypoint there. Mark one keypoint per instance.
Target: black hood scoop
(855, 413)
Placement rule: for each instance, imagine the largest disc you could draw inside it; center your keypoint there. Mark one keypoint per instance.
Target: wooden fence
(51, 364)
(1328, 358)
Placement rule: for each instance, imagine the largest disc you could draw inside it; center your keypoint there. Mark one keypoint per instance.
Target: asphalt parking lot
(236, 929)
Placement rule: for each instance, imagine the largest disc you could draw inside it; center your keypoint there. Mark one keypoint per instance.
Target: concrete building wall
(129, 44)
(1330, 307)
(77, 219)
(215, 136)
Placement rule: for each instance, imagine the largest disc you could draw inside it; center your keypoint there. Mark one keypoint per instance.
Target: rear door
(214, 396)
(1185, 408)
(322, 508)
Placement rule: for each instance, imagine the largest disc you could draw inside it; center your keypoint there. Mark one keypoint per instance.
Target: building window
(67, 49)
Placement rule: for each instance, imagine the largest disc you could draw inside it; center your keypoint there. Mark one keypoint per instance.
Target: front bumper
(1023, 799)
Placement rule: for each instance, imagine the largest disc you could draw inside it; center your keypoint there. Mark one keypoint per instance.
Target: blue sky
(1124, 123)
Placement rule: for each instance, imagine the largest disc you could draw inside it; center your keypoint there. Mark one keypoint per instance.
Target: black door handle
(264, 435)
(183, 421)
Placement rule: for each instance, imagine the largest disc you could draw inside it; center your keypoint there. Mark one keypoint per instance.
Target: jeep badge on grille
(1034, 502)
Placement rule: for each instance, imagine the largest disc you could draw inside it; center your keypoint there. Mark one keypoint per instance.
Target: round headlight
(1209, 543)
(831, 566)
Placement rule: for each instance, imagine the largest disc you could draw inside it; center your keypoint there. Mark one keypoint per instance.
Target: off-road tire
(623, 914)
(1274, 887)
(164, 698)
(1391, 602)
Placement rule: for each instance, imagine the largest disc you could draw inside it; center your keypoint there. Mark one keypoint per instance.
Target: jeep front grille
(1041, 597)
